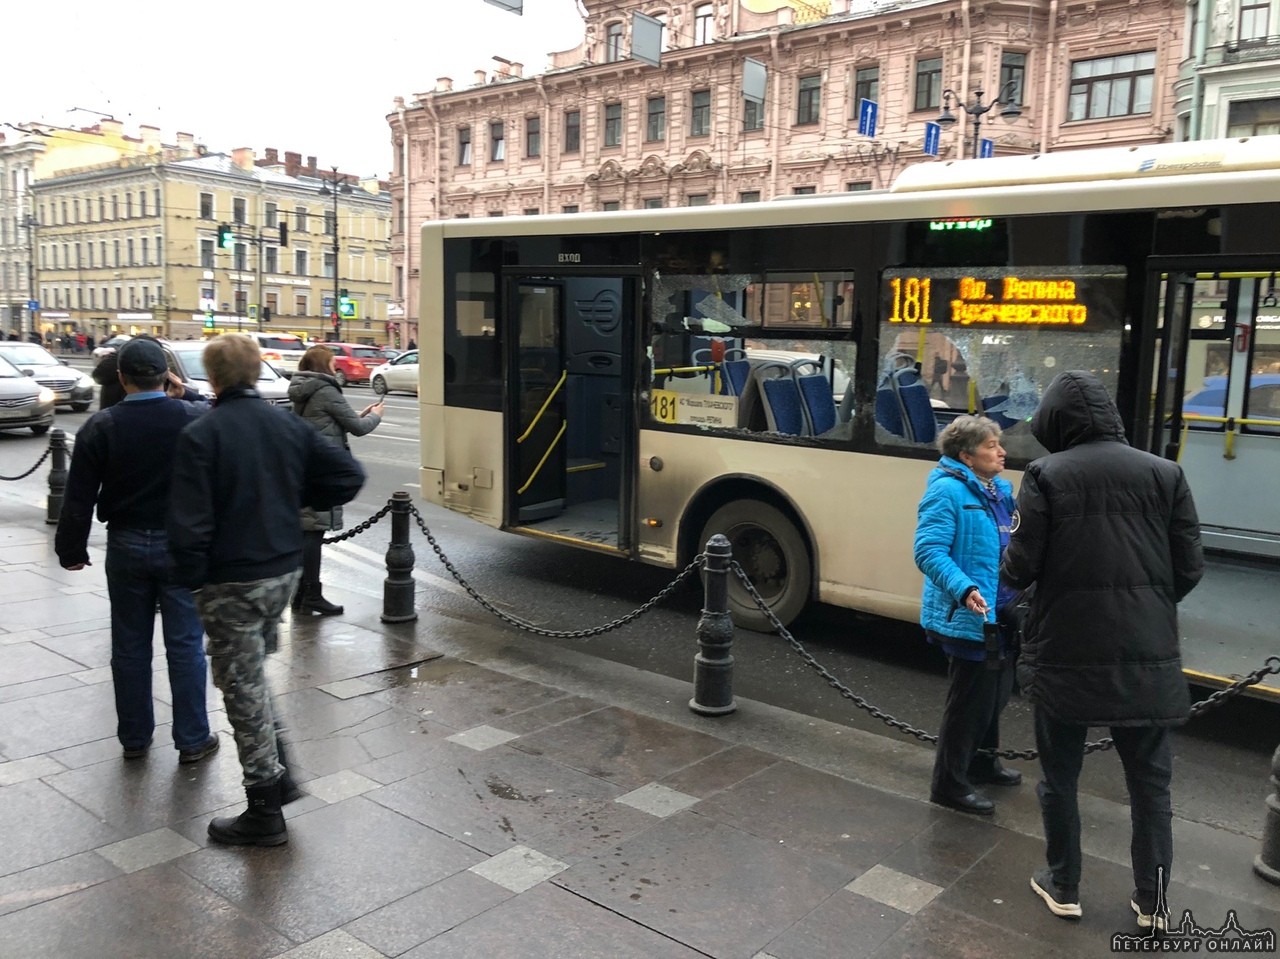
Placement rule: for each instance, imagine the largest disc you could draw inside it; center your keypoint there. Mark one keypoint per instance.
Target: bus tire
(772, 552)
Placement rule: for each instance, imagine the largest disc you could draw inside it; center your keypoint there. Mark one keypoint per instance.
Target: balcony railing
(1244, 51)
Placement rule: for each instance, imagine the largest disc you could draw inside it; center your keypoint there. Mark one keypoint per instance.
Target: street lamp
(978, 110)
(332, 186)
(30, 222)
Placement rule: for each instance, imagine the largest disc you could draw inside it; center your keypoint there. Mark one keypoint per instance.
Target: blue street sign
(867, 111)
(33, 305)
(932, 138)
(986, 148)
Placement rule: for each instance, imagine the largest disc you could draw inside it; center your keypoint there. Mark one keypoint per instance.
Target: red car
(354, 362)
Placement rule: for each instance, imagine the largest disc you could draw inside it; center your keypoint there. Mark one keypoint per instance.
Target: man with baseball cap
(122, 462)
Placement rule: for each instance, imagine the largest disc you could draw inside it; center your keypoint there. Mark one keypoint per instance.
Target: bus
(634, 382)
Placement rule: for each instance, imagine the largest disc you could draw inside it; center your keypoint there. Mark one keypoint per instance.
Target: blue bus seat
(817, 403)
(917, 410)
(737, 372)
(780, 397)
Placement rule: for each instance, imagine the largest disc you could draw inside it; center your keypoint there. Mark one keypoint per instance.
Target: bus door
(1217, 398)
(568, 417)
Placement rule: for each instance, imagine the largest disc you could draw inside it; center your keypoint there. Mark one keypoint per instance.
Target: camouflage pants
(240, 620)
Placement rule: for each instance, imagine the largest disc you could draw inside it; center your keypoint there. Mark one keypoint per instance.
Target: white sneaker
(1158, 920)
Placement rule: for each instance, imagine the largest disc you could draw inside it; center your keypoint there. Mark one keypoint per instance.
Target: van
(281, 350)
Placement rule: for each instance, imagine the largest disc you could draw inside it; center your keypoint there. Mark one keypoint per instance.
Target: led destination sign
(1027, 297)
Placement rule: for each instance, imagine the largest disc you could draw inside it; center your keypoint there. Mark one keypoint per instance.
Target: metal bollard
(713, 666)
(57, 475)
(1267, 863)
(398, 604)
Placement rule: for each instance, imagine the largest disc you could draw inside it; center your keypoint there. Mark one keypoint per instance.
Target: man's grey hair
(965, 434)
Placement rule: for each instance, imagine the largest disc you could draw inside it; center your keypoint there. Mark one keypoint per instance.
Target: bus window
(988, 341)
(766, 354)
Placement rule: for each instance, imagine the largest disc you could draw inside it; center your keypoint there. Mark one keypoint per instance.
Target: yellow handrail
(537, 469)
(1229, 434)
(550, 396)
(667, 371)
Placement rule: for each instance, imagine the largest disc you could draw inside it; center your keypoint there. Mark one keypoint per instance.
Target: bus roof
(1107, 163)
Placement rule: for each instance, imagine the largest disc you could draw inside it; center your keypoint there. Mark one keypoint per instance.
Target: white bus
(634, 382)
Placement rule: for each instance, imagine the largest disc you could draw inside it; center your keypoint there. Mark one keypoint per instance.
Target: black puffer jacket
(1110, 537)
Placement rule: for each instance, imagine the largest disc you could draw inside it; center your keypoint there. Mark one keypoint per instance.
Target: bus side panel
(859, 510)
(471, 443)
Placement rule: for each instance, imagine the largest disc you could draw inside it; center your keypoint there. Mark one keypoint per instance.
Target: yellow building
(133, 236)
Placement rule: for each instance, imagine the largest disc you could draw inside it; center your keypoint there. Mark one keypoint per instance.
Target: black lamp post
(332, 187)
(1006, 98)
(30, 222)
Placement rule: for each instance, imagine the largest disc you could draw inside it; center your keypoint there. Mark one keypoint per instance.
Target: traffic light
(226, 239)
(208, 319)
(284, 233)
(266, 314)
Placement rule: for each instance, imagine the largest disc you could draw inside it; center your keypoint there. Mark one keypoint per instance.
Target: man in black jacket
(242, 473)
(1110, 538)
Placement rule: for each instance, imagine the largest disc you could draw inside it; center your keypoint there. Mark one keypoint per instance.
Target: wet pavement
(471, 791)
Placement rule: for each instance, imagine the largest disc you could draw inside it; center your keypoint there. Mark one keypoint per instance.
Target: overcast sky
(295, 77)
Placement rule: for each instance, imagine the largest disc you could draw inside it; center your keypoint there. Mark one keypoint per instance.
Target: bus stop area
(471, 791)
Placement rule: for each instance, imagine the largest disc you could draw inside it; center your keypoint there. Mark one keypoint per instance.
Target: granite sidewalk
(475, 792)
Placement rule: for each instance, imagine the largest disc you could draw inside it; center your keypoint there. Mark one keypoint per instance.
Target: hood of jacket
(303, 386)
(1076, 408)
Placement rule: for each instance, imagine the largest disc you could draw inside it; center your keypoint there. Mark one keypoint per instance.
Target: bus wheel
(771, 551)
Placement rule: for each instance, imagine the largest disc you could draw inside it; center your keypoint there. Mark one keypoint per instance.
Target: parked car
(24, 403)
(401, 374)
(107, 347)
(70, 387)
(186, 359)
(281, 350)
(1211, 399)
(354, 362)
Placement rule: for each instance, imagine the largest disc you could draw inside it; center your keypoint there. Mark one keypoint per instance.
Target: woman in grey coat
(318, 399)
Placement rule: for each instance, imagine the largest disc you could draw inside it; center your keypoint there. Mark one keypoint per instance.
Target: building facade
(18, 154)
(178, 242)
(600, 130)
(1229, 80)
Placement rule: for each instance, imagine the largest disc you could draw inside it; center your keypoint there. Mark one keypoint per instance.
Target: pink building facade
(599, 130)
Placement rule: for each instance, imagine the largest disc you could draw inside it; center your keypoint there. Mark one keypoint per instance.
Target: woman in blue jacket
(965, 517)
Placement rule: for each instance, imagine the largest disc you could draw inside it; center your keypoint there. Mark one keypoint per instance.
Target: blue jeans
(138, 575)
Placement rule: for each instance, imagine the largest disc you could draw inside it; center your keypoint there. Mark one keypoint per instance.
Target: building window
(157, 201)
(613, 43)
(611, 206)
(330, 223)
(749, 196)
(752, 115)
(300, 304)
(300, 219)
(1249, 118)
(697, 199)
(300, 263)
(145, 259)
(269, 214)
(497, 142)
(700, 115)
(238, 210)
(272, 254)
(115, 246)
(531, 211)
(571, 208)
(464, 146)
(858, 186)
(929, 84)
(613, 124)
(572, 131)
(654, 203)
(88, 249)
(656, 123)
(115, 207)
(809, 99)
(804, 191)
(533, 137)
(866, 86)
(102, 211)
(1112, 86)
(128, 208)
(703, 24)
(1254, 18)
(241, 257)
(1013, 69)
(327, 264)
(142, 204)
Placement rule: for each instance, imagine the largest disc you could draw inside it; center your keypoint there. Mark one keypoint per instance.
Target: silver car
(400, 374)
(186, 359)
(23, 401)
(70, 387)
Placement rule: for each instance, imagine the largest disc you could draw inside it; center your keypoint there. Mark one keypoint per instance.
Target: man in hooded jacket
(1110, 538)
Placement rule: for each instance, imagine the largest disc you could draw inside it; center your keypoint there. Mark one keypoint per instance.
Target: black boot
(311, 600)
(262, 824)
(314, 602)
(289, 791)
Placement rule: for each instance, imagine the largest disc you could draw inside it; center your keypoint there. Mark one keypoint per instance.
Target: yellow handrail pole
(550, 396)
(537, 469)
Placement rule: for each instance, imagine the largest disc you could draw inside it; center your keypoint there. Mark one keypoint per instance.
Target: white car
(107, 347)
(401, 375)
(281, 350)
(70, 387)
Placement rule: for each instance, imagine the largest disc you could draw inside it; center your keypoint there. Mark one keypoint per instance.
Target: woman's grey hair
(965, 434)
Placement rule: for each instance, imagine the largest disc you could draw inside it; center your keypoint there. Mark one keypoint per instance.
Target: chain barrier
(552, 633)
(368, 524)
(44, 456)
(1272, 665)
